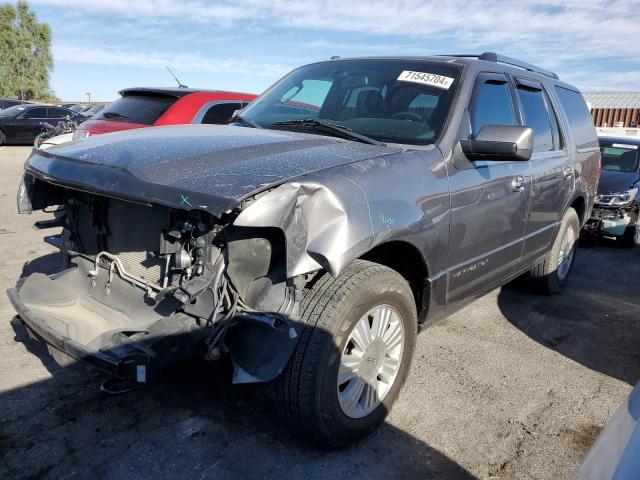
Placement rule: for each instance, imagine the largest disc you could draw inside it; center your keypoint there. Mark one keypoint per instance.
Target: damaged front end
(143, 287)
(612, 214)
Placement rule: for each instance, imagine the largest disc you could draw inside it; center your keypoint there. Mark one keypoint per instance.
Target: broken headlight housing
(617, 199)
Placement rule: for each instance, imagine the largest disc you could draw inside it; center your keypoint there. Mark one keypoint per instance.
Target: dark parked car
(21, 124)
(615, 213)
(9, 102)
(364, 200)
(145, 107)
(78, 107)
(91, 110)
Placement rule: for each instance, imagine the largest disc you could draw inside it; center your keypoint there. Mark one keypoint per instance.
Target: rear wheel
(353, 355)
(551, 273)
(3, 139)
(630, 237)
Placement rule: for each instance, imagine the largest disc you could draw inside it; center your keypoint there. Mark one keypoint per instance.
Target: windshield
(620, 157)
(12, 111)
(394, 101)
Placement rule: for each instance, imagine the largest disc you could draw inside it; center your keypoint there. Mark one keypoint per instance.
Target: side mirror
(506, 143)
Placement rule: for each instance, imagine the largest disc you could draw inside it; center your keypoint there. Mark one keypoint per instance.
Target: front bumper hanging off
(125, 367)
(133, 342)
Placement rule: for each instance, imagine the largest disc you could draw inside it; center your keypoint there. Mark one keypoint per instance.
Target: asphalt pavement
(516, 385)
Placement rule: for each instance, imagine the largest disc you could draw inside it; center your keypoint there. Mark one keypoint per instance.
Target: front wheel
(353, 355)
(551, 273)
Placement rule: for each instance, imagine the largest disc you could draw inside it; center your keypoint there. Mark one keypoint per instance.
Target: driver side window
(491, 103)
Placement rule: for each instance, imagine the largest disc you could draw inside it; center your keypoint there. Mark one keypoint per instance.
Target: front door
(489, 202)
(552, 171)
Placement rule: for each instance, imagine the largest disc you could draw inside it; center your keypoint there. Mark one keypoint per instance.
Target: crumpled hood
(193, 166)
(614, 182)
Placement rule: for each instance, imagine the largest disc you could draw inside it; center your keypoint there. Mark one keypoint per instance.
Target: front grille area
(130, 231)
(143, 265)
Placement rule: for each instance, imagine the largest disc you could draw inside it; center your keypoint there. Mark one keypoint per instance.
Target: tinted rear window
(142, 109)
(580, 120)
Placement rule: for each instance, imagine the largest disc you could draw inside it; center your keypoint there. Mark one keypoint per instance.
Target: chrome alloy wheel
(567, 250)
(370, 361)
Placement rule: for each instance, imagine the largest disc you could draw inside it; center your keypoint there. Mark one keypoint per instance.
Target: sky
(102, 46)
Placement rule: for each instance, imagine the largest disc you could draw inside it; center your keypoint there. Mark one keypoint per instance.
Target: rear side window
(220, 114)
(57, 113)
(580, 120)
(36, 113)
(536, 111)
(141, 109)
(491, 104)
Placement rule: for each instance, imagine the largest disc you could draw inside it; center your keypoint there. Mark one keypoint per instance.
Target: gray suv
(354, 203)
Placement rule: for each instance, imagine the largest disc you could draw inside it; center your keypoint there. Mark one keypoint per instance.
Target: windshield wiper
(246, 121)
(114, 115)
(334, 128)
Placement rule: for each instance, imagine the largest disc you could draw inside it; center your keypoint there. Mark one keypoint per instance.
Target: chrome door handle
(518, 183)
(568, 173)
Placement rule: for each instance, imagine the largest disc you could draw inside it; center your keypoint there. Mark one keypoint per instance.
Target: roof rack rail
(497, 58)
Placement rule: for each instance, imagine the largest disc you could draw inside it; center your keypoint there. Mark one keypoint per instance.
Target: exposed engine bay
(143, 287)
(612, 220)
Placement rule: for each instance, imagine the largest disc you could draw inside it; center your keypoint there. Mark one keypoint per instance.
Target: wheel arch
(579, 204)
(406, 259)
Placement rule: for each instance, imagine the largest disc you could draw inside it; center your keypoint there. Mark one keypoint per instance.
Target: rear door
(551, 168)
(28, 125)
(489, 201)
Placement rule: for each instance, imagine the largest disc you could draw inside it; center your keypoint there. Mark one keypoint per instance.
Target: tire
(630, 237)
(307, 392)
(550, 275)
(3, 139)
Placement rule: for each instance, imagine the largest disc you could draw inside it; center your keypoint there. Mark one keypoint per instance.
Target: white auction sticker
(423, 78)
(625, 145)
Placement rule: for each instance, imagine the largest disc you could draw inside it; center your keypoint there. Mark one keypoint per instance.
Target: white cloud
(558, 35)
(186, 62)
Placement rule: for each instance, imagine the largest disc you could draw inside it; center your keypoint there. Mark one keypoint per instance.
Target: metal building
(614, 109)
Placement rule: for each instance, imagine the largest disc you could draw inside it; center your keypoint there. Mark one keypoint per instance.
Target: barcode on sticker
(625, 145)
(423, 78)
